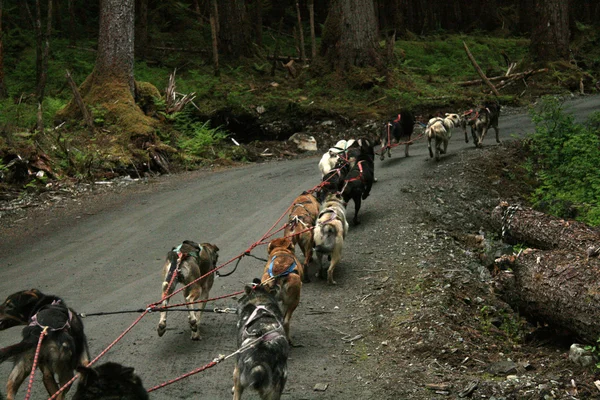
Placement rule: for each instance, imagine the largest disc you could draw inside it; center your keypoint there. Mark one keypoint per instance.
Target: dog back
(109, 381)
(262, 344)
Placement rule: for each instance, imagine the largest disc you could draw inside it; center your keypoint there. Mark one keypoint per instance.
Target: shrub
(565, 160)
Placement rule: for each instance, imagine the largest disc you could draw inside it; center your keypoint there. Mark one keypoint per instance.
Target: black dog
(358, 182)
(334, 179)
(109, 381)
(262, 344)
(400, 127)
(63, 349)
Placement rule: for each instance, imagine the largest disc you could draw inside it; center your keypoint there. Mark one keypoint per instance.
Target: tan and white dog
(188, 262)
(330, 231)
(440, 130)
(329, 159)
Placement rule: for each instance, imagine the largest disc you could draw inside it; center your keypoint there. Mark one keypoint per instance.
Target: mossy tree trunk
(550, 32)
(110, 88)
(350, 35)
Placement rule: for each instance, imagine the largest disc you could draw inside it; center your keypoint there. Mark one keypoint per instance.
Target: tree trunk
(300, 32)
(115, 42)
(215, 34)
(521, 225)
(258, 23)
(555, 287)
(72, 26)
(313, 41)
(110, 88)
(141, 42)
(3, 92)
(550, 32)
(559, 284)
(350, 35)
(234, 31)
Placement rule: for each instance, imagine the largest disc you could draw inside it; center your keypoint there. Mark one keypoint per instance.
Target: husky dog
(63, 349)
(282, 276)
(189, 261)
(330, 232)
(400, 127)
(486, 117)
(301, 220)
(440, 130)
(262, 344)
(109, 381)
(330, 158)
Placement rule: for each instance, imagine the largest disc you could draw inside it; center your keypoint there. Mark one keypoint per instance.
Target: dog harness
(34, 320)
(284, 273)
(326, 211)
(176, 264)
(255, 315)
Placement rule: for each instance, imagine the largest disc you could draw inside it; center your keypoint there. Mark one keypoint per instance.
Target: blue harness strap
(284, 273)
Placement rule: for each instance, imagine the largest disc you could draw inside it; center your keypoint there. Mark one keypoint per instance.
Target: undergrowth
(564, 159)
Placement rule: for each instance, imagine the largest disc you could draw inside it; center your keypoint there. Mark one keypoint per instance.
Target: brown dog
(283, 278)
(189, 261)
(302, 218)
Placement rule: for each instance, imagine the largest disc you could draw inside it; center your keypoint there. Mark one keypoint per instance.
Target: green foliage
(196, 137)
(595, 350)
(564, 158)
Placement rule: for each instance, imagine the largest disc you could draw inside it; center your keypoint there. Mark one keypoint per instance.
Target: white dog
(331, 156)
(329, 234)
(440, 129)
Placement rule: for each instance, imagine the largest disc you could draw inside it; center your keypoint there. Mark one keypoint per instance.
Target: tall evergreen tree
(550, 33)
(350, 34)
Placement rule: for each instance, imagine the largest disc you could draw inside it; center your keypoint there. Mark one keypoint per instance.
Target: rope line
(35, 362)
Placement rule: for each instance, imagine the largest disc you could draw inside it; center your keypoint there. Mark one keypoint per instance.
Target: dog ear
(88, 376)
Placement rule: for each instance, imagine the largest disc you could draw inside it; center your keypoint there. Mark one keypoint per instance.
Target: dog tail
(259, 376)
(10, 352)
(325, 238)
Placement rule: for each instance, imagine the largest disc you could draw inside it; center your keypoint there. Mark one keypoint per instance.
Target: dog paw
(195, 336)
(331, 282)
(161, 329)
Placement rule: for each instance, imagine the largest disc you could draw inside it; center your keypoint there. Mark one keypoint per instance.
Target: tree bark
(3, 91)
(115, 42)
(234, 30)
(533, 228)
(258, 23)
(550, 32)
(311, 16)
(350, 35)
(214, 31)
(554, 287)
(141, 42)
(72, 27)
(559, 283)
(300, 32)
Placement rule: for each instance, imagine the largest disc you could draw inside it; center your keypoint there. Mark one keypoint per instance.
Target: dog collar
(284, 273)
(255, 315)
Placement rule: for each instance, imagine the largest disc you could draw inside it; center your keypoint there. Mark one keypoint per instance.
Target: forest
(155, 84)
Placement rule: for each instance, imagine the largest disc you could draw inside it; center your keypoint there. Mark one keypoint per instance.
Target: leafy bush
(565, 159)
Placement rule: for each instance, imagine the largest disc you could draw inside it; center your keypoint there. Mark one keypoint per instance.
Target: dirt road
(105, 253)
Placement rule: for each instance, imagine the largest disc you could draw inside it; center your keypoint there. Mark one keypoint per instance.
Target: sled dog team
(316, 224)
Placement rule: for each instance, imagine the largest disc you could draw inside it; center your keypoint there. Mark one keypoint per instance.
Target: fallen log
(557, 283)
(554, 287)
(523, 225)
(517, 75)
(479, 71)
